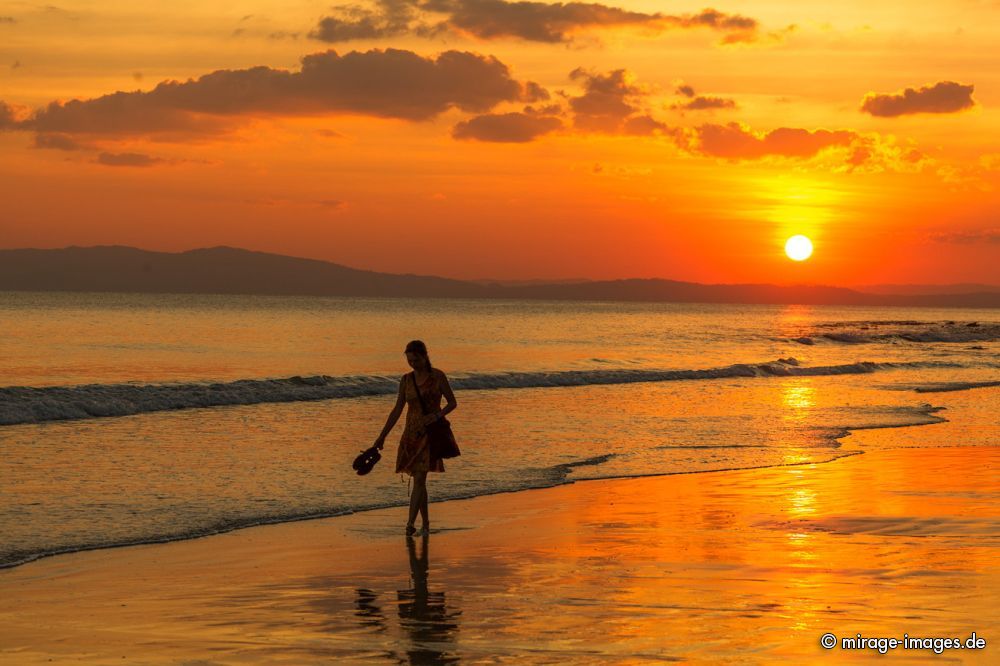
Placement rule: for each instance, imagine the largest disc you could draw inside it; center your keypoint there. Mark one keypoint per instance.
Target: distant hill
(966, 288)
(691, 292)
(226, 270)
(216, 270)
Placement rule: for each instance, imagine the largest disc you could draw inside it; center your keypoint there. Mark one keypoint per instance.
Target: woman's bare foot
(425, 528)
(410, 529)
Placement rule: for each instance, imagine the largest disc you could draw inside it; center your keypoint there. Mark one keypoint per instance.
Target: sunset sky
(515, 140)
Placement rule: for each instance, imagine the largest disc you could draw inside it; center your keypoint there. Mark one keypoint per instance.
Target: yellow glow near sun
(798, 248)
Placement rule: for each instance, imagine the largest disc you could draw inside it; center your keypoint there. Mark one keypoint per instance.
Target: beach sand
(749, 566)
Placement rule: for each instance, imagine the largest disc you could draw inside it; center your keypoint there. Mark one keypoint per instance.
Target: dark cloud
(389, 18)
(607, 101)
(973, 237)
(942, 97)
(734, 141)
(644, 126)
(506, 127)
(331, 204)
(496, 19)
(390, 84)
(532, 21)
(712, 18)
(685, 90)
(57, 142)
(701, 103)
(612, 103)
(127, 160)
(8, 116)
(7, 19)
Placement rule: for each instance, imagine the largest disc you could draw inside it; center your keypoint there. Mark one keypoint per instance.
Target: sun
(798, 248)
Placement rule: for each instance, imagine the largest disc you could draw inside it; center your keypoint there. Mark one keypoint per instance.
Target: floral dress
(413, 454)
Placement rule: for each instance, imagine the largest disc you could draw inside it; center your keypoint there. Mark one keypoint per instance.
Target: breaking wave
(866, 332)
(20, 405)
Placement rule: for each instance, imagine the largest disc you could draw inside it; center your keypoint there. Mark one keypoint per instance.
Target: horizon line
(502, 281)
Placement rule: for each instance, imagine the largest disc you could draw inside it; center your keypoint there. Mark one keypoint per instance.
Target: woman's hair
(417, 346)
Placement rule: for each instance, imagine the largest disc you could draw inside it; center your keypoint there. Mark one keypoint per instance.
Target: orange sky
(484, 138)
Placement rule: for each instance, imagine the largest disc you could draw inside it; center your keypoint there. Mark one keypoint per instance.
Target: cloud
(506, 127)
(127, 160)
(9, 20)
(942, 97)
(57, 142)
(697, 102)
(840, 151)
(973, 237)
(644, 125)
(747, 37)
(349, 22)
(608, 102)
(607, 99)
(701, 103)
(712, 18)
(331, 204)
(735, 141)
(389, 83)
(611, 103)
(614, 103)
(11, 117)
(8, 116)
(524, 19)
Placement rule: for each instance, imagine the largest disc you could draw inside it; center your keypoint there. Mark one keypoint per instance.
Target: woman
(413, 456)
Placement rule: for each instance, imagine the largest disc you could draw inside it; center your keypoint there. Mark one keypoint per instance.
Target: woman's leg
(417, 496)
(423, 508)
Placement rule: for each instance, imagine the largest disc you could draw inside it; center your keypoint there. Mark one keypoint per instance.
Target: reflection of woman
(414, 456)
(430, 622)
(425, 614)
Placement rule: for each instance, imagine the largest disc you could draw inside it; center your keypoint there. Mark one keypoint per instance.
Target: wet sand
(750, 566)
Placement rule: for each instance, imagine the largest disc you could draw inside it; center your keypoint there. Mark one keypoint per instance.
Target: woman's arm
(390, 422)
(448, 394)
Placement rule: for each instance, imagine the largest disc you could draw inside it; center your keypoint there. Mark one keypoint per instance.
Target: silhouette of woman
(413, 456)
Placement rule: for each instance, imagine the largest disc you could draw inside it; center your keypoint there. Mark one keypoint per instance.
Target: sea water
(128, 418)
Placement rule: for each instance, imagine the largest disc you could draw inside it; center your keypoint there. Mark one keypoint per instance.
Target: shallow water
(557, 400)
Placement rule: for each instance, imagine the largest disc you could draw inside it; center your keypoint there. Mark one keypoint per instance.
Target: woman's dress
(413, 454)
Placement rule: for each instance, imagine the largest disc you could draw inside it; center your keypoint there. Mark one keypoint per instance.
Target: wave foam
(20, 405)
(865, 332)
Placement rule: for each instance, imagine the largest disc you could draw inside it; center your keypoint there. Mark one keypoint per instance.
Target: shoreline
(768, 557)
(928, 412)
(839, 434)
(331, 516)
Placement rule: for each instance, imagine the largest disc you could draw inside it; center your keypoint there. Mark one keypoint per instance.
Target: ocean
(134, 418)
